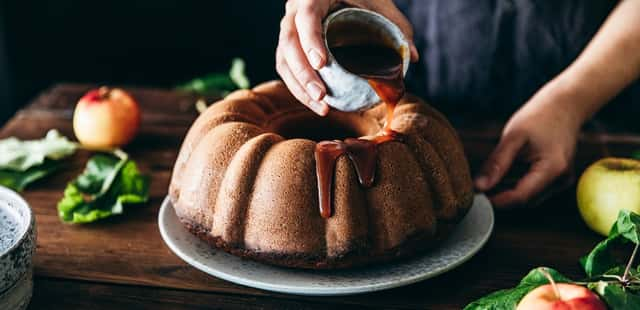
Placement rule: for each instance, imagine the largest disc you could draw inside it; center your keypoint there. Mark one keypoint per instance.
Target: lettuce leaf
(102, 190)
(24, 162)
(18, 180)
(18, 155)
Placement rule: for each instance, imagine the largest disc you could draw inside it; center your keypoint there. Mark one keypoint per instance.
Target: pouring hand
(301, 48)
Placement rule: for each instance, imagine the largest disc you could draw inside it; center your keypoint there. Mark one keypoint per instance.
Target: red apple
(106, 118)
(561, 296)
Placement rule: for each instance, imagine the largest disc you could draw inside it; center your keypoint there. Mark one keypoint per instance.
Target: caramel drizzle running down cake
(246, 179)
(382, 67)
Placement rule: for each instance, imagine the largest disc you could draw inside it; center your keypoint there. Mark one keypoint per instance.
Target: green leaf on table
(99, 174)
(601, 259)
(508, 299)
(24, 162)
(18, 155)
(102, 190)
(616, 297)
(214, 83)
(18, 180)
(219, 84)
(238, 75)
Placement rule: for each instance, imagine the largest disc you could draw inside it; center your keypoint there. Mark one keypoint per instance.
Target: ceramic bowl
(17, 245)
(346, 91)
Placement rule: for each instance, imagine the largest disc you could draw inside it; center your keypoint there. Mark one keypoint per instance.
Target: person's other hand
(543, 134)
(301, 47)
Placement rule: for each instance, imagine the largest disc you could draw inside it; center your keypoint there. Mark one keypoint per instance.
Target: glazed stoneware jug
(346, 91)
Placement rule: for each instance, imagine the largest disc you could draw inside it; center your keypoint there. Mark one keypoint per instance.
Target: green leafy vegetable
(24, 162)
(18, 180)
(509, 298)
(214, 83)
(18, 155)
(102, 190)
(238, 75)
(219, 84)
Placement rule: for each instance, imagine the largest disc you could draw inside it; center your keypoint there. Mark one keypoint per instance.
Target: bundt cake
(245, 181)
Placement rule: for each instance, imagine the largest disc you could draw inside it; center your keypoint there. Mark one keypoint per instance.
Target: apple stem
(556, 291)
(628, 268)
(103, 92)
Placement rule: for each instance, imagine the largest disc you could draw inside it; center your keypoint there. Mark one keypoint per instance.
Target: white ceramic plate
(467, 239)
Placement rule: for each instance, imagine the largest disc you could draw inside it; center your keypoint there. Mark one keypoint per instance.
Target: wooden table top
(123, 262)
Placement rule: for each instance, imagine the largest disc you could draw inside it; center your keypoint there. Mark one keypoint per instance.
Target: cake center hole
(317, 129)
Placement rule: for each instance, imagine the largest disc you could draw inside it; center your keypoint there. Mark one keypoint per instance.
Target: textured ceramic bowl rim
(7, 194)
(344, 99)
(393, 29)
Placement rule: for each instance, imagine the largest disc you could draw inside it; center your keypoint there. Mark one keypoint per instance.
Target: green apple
(606, 187)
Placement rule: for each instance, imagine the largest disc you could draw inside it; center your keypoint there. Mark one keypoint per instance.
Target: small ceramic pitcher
(346, 91)
(17, 245)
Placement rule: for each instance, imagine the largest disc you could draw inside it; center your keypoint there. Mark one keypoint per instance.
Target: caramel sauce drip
(382, 67)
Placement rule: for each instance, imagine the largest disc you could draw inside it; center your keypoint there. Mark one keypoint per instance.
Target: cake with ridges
(245, 181)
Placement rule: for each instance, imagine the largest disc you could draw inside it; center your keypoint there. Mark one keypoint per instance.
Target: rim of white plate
(248, 278)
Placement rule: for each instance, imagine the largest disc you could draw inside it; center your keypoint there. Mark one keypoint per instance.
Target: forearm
(609, 63)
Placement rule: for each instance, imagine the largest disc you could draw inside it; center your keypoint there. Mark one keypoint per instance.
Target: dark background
(156, 43)
(133, 42)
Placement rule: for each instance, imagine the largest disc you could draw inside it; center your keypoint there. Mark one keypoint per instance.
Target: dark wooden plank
(61, 294)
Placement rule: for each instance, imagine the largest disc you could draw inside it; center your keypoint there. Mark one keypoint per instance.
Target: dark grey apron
(490, 56)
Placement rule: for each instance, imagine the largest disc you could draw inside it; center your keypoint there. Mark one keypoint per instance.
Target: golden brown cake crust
(245, 182)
